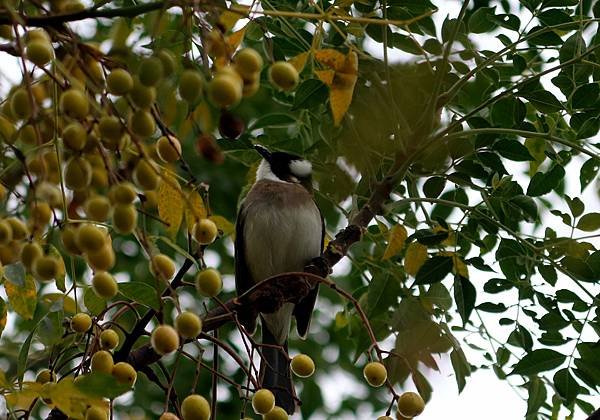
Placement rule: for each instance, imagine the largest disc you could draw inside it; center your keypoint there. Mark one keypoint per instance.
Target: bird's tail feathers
(275, 371)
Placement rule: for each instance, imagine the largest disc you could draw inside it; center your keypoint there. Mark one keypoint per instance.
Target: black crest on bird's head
(285, 166)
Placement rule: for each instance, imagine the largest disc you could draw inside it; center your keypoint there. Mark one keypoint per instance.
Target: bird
(279, 229)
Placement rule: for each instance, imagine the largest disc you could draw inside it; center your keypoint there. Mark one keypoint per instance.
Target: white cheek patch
(264, 172)
(301, 168)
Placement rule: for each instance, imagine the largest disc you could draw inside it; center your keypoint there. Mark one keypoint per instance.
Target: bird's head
(283, 167)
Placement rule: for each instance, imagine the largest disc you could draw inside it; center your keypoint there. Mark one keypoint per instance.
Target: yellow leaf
(195, 209)
(24, 397)
(326, 241)
(203, 117)
(396, 239)
(326, 76)
(340, 100)
(223, 224)
(234, 40)
(228, 19)
(330, 58)
(70, 400)
(170, 203)
(4, 383)
(299, 61)
(415, 257)
(67, 302)
(3, 315)
(459, 266)
(22, 299)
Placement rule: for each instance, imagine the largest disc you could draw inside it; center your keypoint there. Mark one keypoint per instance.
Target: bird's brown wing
(243, 278)
(304, 309)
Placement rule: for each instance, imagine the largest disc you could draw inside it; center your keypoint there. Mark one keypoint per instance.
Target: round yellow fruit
(276, 413)
(97, 208)
(96, 413)
(384, 418)
(90, 238)
(27, 134)
(375, 374)
(168, 60)
(104, 285)
(191, 83)
(78, 173)
(248, 63)
(263, 401)
(145, 175)
(7, 130)
(41, 213)
(124, 218)
(142, 96)
(195, 407)
(81, 322)
(162, 266)
(250, 88)
(283, 75)
(208, 282)
(303, 366)
(6, 233)
(102, 361)
(168, 149)
(225, 90)
(150, 71)
(188, 325)
(44, 376)
(109, 339)
(124, 373)
(399, 416)
(74, 136)
(20, 105)
(142, 123)
(164, 339)
(111, 131)
(39, 52)
(205, 232)
(119, 82)
(74, 103)
(102, 260)
(68, 237)
(168, 416)
(46, 268)
(30, 253)
(122, 193)
(410, 404)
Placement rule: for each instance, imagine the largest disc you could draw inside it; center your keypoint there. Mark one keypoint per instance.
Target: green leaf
(537, 395)
(24, 354)
(481, 22)
(552, 17)
(433, 187)
(384, 290)
(15, 273)
(589, 171)
(461, 367)
(542, 183)
(140, 292)
(585, 96)
(438, 295)
(103, 385)
(309, 94)
(543, 101)
(464, 296)
(548, 273)
(589, 222)
(23, 300)
(580, 269)
(576, 206)
(513, 150)
(434, 270)
(566, 385)
(543, 37)
(422, 385)
(538, 361)
(492, 307)
(92, 302)
(273, 120)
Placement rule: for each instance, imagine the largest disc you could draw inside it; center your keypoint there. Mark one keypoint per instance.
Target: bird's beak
(263, 152)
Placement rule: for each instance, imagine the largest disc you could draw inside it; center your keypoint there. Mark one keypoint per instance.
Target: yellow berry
(283, 75)
(20, 105)
(124, 373)
(122, 193)
(30, 253)
(41, 213)
(104, 285)
(276, 413)
(142, 123)
(39, 52)
(119, 82)
(97, 208)
(90, 238)
(46, 268)
(142, 96)
(375, 373)
(188, 325)
(195, 407)
(168, 60)
(225, 90)
(410, 404)
(208, 282)
(109, 339)
(111, 131)
(102, 260)
(150, 71)
(74, 136)
(303, 366)
(168, 149)
(263, 401)
(7, 130)
(74, 103)
(250, 88)
(162, 266)
(124, 218)
(190, 85)
(96, 413)
(145, 175)
(384, 418)
(44, 376)
(102, 361)
(6, 233)
(78, 173)
(248, 63)
(164, 339)
(168, 416)
(68, 237)
(81, 322)
(205, 232)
